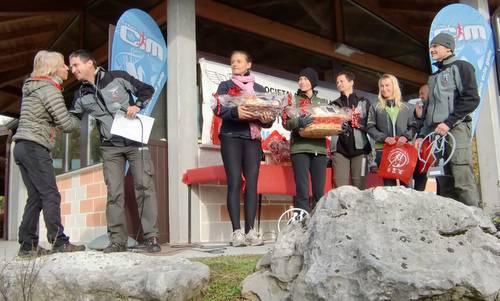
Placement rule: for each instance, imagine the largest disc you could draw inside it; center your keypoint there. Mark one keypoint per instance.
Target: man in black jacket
(351, 148)
(453, 96)
(102, 94)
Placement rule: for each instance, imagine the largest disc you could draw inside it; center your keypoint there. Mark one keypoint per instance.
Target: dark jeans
(304, 164)
(35, 164)
(241, 155)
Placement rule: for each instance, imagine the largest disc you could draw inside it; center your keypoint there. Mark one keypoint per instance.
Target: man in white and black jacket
(453, 96)
(102, 94)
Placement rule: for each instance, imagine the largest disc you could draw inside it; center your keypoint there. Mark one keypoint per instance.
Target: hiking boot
(253, 238)
(152, 245)
(238, 238)
(115, 247)
(33, 252)
(68, 247)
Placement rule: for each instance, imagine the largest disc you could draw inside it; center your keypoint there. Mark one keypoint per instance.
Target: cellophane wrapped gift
(327, 120)
(257, 103)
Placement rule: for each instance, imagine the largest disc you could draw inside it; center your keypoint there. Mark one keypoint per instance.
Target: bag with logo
(398, 162)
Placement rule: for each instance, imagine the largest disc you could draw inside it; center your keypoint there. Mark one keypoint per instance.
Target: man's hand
(402, 140)
(390, 140)
(132, 111)
(442, 129)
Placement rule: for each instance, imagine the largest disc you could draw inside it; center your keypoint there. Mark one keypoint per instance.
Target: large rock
(97, 276)
(387, 243)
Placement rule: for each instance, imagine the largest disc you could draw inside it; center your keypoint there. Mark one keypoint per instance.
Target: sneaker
(33, 252)
(114, 247)
(253, 238)
(68, 247)
(238, 238)
(152, 245)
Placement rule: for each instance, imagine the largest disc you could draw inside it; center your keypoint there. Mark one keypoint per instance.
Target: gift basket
(257, 103)
(327, 120)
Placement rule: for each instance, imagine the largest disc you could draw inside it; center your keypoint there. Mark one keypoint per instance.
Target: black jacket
(231, 125)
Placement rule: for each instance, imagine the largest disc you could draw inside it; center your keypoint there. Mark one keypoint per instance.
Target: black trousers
(241, 155)
(38, 175)
(304, 164)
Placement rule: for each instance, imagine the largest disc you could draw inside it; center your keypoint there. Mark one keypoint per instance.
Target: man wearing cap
(308, 154)
(453, 96)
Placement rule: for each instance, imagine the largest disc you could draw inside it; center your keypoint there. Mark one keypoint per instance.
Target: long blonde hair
(396, 91)
(46, 63)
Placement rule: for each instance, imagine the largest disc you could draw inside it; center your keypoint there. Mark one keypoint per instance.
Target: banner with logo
(213, 73)
(139, 48)
(473, 39)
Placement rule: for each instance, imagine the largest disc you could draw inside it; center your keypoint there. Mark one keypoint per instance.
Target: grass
(226, 275)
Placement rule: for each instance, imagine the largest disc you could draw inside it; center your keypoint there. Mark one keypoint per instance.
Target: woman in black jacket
(241, 147)
(390, 120)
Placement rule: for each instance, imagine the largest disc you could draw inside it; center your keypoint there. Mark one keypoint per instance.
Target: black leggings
(241, 155)
(304, 164)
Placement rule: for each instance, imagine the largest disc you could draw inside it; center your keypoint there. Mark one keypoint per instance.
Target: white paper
(131, 128)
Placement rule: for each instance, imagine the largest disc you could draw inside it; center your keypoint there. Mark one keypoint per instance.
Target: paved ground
(8, 250)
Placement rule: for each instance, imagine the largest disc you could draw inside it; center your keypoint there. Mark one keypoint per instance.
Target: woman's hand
(402, 140)
(244, 113)
(266, 117)
(390, 140)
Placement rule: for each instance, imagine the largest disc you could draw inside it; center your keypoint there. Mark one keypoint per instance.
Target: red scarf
(50, 80)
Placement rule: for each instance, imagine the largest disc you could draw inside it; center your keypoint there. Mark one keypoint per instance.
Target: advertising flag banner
(473, 39)
(139, 48)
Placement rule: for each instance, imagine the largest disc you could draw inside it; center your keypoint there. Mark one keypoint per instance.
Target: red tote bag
(398, 162)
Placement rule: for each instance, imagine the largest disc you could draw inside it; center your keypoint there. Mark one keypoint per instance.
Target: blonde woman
(390, 120)
(42, 109)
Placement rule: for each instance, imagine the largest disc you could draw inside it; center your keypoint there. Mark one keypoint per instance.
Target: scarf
(245, 83)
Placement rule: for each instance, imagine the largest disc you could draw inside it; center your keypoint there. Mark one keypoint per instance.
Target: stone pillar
(488, 133)
(182, 108)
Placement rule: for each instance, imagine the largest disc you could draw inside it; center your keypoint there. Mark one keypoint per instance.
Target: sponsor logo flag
(473, 40)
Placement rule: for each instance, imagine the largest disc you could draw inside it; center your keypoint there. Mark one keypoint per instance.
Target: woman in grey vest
(42, 110)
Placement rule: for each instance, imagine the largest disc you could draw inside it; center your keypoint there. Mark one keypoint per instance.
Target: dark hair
(248, 57)
(348, 74)
(84, 55)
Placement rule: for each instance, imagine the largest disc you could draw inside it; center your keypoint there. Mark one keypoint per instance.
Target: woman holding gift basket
(308, 154)
(241, 146)
(390, 120)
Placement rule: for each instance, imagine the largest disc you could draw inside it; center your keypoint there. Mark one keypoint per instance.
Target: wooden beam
(15, 6)
(397, 20)
(415, 5)
(11, 91)
(7, 78)
(239, 19)
(27, 32)
(339, 21)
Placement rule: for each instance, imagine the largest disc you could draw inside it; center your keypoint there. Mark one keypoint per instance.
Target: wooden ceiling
(27, 26)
